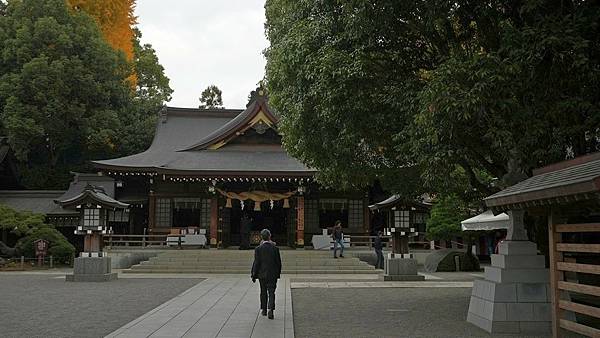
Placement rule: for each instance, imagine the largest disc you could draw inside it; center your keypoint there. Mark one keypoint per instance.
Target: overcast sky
(203, 42)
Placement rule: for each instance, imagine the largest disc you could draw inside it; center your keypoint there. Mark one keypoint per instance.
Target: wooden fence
(113, 240)
(560, 264)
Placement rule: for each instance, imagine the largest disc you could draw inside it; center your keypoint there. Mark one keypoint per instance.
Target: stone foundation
(401, 269)
(514, 296)
(92, 269)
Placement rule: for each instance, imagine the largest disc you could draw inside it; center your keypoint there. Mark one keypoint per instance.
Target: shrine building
(207, 169)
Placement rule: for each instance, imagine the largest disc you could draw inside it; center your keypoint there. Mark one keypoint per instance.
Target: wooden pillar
(214, 220)
(151, 211)
(366, 217)
(92, 242)
(555, 275)
(300, 221)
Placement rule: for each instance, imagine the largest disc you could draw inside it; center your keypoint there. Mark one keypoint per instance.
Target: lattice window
(164, 212)
(355, 213)
(401, 218)
(311, 215)
(121, 215)
(205, 213)
(91, 217)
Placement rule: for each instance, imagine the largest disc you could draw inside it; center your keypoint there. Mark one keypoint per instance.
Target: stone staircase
(240, 262)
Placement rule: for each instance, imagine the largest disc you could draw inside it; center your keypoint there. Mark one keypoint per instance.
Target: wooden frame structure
(568, 193)
(560, 265)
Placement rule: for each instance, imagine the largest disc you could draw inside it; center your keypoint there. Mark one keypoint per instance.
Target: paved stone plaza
(337, 311)
(44, 305)
(194, 305)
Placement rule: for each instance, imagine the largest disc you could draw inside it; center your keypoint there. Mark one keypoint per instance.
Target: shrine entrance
(275, 218)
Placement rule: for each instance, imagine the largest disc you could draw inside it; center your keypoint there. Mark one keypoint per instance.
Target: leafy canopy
(65, 94)
(433, 95)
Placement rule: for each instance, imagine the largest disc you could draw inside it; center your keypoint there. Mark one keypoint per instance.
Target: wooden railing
(559, 265)
(358, 240)
(113, 240)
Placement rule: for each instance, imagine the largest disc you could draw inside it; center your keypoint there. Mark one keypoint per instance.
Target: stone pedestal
(514, 296)
(401, 269)
(92, 269)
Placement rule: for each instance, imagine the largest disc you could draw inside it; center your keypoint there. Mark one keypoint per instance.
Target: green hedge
(61, 250)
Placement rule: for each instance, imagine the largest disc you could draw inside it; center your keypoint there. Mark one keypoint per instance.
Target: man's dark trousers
(379, 263)
(267, 293)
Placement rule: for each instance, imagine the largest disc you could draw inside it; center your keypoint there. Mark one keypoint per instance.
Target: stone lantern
(94, 206)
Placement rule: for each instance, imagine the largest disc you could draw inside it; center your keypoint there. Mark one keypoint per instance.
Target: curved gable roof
(189, 141)
(257, 112)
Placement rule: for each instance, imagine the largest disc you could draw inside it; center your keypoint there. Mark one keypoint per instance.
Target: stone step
(290, 262)
(245, 272)
(238, 267)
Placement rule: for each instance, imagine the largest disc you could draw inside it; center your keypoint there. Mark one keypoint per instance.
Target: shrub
(59, 247)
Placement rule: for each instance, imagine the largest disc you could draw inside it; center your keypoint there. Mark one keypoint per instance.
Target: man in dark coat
(378, 246)
(267, 269)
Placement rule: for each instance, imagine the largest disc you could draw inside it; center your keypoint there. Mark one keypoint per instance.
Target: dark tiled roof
(185, 129)
(94, 193)
(572, 180)
(81, 181)
(36, 201)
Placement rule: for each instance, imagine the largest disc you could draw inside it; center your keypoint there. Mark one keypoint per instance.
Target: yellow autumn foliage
(116, 20)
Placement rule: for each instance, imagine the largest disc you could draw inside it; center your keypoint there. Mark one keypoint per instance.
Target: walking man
(378, 246)
(338, 239)
(267, 269)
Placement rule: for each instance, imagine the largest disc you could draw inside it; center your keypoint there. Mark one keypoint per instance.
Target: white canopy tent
(486, 221)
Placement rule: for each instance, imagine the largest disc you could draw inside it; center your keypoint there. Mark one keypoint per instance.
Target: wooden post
(214, 220)
(366, 217)
(300, 221)
(555, 275)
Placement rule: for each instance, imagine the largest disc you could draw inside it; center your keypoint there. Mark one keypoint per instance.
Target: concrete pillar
(514, 296)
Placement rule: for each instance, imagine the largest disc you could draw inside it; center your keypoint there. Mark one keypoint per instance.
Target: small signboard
(41, 250)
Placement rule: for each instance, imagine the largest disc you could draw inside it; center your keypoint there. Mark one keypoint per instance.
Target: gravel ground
(47, 306)
(383, 312)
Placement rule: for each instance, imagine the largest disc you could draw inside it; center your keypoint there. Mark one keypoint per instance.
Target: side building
(225, 172)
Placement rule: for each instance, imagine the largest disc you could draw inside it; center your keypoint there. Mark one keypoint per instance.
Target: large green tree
(343, 77)
(64, 94)
(454, 96)
(62, 87)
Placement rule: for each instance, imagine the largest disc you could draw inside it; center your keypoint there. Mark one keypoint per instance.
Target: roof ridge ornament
(163, 114)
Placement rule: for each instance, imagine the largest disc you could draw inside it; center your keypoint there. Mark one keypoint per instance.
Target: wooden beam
(579, 328)
(582, 227)
(580, 288)
(576, 267)
(555, 275)
(564, 247)
(580, 308)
